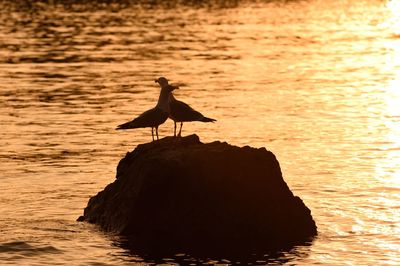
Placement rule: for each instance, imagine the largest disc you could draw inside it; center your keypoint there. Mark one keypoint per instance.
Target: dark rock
(181, 194)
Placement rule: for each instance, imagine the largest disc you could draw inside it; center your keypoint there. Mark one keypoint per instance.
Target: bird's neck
(171, 97)
(163, 100)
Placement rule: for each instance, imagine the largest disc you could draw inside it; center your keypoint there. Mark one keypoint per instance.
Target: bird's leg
(174, 129)
(180, 130)
(157, 132)
(152, 132)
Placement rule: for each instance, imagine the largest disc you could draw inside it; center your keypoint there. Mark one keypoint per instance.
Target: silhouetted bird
(157, 115)
(182, 112)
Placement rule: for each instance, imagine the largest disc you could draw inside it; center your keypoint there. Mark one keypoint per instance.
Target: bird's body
(151, 118)
(155, 116)
(182, 112)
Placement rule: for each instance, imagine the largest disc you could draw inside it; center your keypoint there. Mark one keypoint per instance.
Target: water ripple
(27, 249)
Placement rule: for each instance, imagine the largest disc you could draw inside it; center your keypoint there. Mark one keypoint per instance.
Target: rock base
(181, 194)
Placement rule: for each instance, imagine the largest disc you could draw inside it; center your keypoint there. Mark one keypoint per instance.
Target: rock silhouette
(181, 194)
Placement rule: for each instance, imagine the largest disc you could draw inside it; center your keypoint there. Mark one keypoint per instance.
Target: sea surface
(316, 82)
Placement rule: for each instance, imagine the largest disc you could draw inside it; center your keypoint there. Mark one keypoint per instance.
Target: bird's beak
(156, 81)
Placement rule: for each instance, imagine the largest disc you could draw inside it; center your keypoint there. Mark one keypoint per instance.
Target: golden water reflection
(394, 18)
(387, 169)
(316, 82)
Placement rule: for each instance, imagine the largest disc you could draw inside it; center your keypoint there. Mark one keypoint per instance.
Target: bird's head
(164, 84)
(162, 81)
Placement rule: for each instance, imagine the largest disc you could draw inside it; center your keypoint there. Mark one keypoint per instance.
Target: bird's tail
(127, 125)
(206, 119)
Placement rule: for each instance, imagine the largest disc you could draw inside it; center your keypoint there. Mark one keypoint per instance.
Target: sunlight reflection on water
(316, 82)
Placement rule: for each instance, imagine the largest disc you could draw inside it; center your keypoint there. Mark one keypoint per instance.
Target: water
(316, 82)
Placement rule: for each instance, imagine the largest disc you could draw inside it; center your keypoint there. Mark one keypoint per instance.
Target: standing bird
(182, 112)
(157, 115)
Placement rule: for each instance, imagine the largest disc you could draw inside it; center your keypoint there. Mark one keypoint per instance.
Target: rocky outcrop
(179, 193)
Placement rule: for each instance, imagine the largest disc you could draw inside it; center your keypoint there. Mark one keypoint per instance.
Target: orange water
(316, 82)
